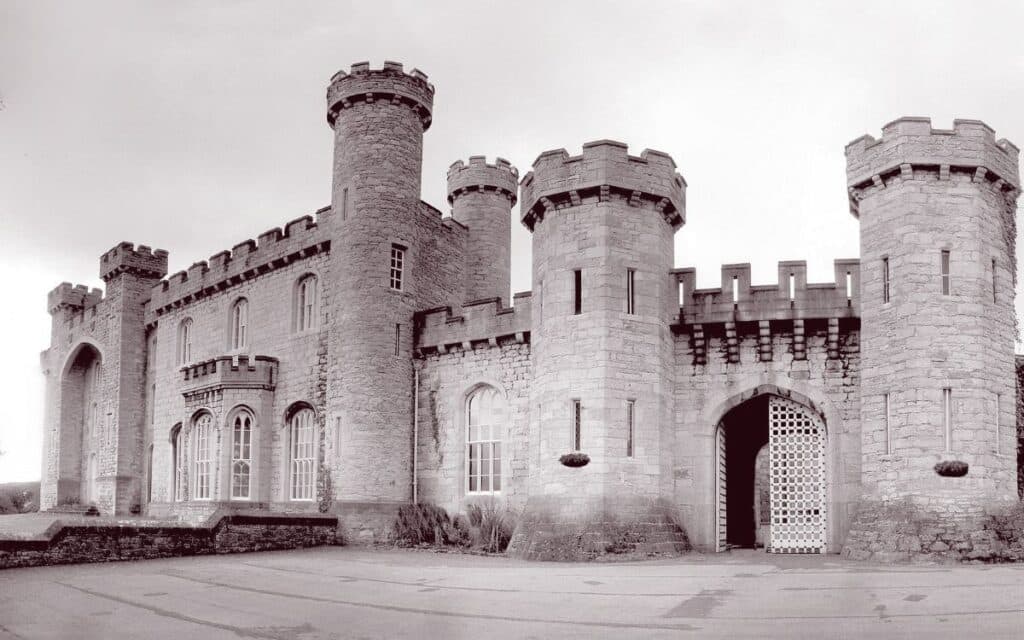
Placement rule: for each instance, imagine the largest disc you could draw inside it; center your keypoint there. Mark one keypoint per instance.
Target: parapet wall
(501, 177)
(301, 238)
(141, 261)
(78, 297)
(909, 143)
(791, 298)
(391, 84)
(604, 167)
(235, 372)
(439, 330)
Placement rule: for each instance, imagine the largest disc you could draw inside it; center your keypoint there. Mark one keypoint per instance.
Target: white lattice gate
(796, 446)
(721, 531)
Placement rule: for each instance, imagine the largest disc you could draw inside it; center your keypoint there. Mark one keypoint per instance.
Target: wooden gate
(796, 445)
(720, 486)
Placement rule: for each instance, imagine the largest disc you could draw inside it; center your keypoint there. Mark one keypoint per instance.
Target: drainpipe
(415, 433)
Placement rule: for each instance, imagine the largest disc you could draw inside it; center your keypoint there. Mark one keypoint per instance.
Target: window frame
(203, 460)
(185, 341)
(299, 424)
(945, 270)
(179, 464)
(631, 292)
(631, 428)
(576, 424)
(577, 291)
(238, 325)
(886, 281)
(492, 445)
(249, 426)
(307, 303)
(396, 278)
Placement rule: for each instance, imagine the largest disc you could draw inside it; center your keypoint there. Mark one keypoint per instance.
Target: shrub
(951, 468)
(423, 523)
(575, 459)
(495, 529)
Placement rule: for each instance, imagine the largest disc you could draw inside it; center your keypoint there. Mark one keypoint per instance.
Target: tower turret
(603, 225)
(482, 196)
(937, 215)
(378, 117)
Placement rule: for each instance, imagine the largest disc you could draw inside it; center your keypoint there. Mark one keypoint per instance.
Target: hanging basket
(575, 459)
(951, 468)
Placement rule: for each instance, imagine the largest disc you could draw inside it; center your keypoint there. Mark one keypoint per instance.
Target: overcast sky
(191, 127)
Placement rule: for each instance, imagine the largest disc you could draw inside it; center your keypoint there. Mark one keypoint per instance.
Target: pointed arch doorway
(771, 477)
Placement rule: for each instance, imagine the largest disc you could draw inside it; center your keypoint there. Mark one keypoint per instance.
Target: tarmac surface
(339, 592)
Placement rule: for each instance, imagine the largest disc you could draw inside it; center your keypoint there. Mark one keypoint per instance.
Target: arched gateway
(773, 451)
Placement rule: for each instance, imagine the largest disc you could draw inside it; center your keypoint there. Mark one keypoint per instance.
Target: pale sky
(192, 127)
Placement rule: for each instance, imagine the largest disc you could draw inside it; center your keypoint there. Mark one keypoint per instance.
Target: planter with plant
(575, 459)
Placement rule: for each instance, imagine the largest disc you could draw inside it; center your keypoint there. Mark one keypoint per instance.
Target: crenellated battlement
(274, 249)
(909, 144)
(790, 298)
(480, 321)
(603, 170)
(390, 83)
(230, 372)
(500, 177)
(76, 297)
(126, 258)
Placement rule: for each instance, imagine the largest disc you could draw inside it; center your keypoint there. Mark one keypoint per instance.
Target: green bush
(19, 497)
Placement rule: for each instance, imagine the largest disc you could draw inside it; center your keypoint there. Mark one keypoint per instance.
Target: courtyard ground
(340, 592)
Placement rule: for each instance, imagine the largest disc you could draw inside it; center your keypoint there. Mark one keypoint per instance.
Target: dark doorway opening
(746, 432)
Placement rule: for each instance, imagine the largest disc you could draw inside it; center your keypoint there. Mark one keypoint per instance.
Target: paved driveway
(338, 592)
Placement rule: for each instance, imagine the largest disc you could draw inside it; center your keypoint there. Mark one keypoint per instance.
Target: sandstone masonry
(371, 354)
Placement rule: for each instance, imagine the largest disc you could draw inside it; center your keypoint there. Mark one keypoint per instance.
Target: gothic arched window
(485, 423)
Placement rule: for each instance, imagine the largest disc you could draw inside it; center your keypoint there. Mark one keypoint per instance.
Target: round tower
(937, 216)
(378, 117)
(603, 225)
(482, 196)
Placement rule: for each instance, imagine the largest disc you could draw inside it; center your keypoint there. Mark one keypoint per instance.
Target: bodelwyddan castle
(370, 355)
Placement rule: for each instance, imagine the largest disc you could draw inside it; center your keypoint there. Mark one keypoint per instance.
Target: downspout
(415, 432)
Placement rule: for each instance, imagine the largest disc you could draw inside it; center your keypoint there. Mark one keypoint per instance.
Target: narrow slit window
(577, 419)
(344, 203)
(792, 286)
(630, 291)
(994, 298)
(999, 424)
(735, 289)
(945, 272)
(577, 291)
(849, 285)
(885, 279)
(630, 421)
(888, 424)
(398, 338)
(397, 266)
(947, 417)
(682, 293)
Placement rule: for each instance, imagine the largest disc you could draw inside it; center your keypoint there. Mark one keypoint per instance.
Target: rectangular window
(735, 289)
(945, 272)
(577, 419)
(994, 299)
(630, 291)
(849, 285)
(344, 203)
(885, 279)
(888, 425)
(398, 338)
(792, 286)
(947, 418)
(577, 295)
(682, 293)
(630, 413)
(397, 266)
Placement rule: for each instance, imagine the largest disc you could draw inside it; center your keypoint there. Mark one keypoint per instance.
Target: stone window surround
(238, 343)
(229, 453)
(286, 457)
(460, 404)
(184, 350)
(499, 434)
(298, 319)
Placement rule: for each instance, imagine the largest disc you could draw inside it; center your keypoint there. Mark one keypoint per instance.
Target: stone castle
(370, 355)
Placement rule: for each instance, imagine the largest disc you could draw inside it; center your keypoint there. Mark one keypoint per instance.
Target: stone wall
(706, 392)
(106, 542)
(446, 381)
